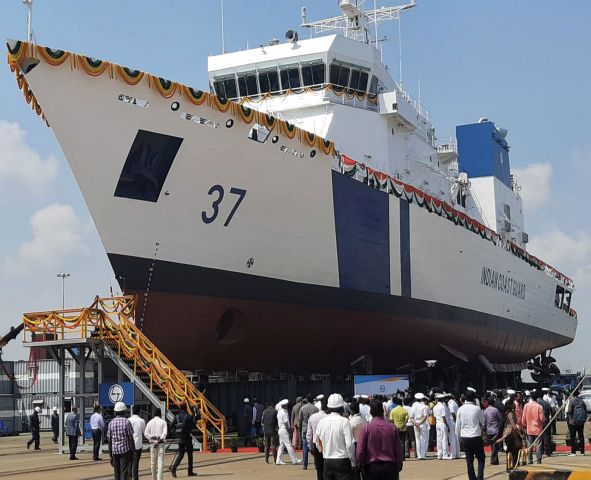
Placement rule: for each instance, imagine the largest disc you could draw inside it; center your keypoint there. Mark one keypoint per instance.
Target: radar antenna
(355, 22)
(29, 5)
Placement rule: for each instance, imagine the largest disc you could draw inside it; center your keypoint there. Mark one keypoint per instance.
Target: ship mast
(29, 5)
(355, 22)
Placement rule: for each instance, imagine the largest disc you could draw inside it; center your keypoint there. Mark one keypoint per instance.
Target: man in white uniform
(284, 441)
(439, 412)
(420, 413)
(364, 408)
(454, 443)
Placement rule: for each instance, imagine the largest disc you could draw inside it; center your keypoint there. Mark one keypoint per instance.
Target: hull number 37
(218, 192)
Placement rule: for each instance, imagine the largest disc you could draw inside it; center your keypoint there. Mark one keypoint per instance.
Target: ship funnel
(292, 36)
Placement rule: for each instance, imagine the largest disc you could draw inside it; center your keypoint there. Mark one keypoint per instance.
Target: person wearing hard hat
(35, 425)
(334, 440)
(73, 431)
(313, 422)
(55, 425)
(284, 440)
(419, 416)
(121, 444)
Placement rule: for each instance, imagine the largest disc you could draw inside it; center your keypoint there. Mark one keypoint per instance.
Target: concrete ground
(16, 462)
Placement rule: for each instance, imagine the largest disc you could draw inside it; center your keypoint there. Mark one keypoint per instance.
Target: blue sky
(525, 65)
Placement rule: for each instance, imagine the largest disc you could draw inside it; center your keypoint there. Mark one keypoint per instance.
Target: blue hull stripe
(405, 280)
(363, 235)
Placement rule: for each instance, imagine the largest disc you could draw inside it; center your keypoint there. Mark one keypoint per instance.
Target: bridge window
(225, 87)
(313, 74)
(339, 75)
(269, 81)
(373, 87)
(247, 84)
(290, 77)
(358, 82)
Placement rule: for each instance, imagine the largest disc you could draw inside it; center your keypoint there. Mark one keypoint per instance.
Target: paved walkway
(18, 463)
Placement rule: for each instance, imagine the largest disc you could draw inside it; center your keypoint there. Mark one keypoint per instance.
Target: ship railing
(112, 321)
(328, 91)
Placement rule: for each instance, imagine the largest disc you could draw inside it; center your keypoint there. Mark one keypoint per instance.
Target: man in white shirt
(334, 439)
(310, 436)
(156, 431)
(419, 415)
(139, 427)
(454, 443)
(442, 428)
(469, 422)
(284, 441)
(97, 426)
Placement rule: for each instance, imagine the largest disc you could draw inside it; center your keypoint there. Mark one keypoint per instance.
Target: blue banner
(111, 393)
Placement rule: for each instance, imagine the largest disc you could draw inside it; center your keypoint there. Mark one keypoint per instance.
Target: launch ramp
(108, 329)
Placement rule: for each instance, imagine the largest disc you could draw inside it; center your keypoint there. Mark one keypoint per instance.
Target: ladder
(109, 323)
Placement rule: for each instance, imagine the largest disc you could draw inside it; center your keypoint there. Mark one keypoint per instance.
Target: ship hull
(261, 255)
(219, 320)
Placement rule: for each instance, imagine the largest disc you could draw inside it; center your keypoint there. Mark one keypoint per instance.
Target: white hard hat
(38, 409)
(365, 397)
(120, 407)
(471, 389)
(55, 409)
(336, 401)
(246, 400)
(284, 402)
(419, 396)
(356, 397)
(439, 396)
(527, 393)
(545, 389)
(320, 397)
(510, 392)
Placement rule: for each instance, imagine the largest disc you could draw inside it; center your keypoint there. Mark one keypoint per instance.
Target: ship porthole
(174, 106)
(312, 153)
(230, 123)
(275, 139)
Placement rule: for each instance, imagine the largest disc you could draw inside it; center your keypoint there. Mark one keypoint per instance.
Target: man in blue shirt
(97, 425)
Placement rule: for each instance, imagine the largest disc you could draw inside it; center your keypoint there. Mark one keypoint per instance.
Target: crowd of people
(365, 437)
(371, 437)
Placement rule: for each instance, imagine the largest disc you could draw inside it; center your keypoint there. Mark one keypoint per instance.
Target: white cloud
(562, 250)
(58, 233)
(535, 182)
(18, 161)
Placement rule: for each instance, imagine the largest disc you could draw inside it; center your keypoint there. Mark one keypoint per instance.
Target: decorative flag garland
(393, 186)
(20, 51)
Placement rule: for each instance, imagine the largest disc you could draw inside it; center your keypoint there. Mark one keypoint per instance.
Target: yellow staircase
(111, 321)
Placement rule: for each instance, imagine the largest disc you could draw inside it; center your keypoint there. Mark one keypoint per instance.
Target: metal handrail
(112, 319)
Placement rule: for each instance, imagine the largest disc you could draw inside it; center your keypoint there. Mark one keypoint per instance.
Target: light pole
(63, 276)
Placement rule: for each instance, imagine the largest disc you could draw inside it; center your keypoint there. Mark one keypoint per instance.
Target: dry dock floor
(16, 463)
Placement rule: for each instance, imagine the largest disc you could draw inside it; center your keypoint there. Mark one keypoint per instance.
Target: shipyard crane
(11, 335)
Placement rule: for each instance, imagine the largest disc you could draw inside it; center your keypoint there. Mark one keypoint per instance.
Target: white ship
(303, 206)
